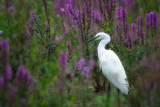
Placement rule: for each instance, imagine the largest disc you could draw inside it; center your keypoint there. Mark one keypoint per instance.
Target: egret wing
(113, 69)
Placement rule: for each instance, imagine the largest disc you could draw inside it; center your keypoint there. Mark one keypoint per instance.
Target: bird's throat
(101, 47)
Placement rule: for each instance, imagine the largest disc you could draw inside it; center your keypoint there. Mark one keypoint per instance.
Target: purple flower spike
(8, 72)
(86, 71)
(63, 61)
(23, 77)
(139, 21)
(64, 28)
(68, 46)
(151, 15)
(71, 10)
(5, 45)
(62, 9)
(23, 101)
(144, 62)
(117, 27)
(155, 20)
(133, 30)
(81, 63)
(33, 18)
(30, 80)
(61, 38)
(159, 13)
(142, 35)
(123, 14)
(57, 38)
(147, 21)
(149, 85)
(126, 29)
(151, 100)
(1, 82)
(13, 92)
(118, 13)
(91, 64)
(61, 85)
(19, 74)
(129, 40)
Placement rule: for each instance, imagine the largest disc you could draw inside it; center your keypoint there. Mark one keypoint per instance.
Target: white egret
(110, 64)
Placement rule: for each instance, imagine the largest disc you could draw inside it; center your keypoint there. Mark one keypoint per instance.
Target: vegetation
(44, 60)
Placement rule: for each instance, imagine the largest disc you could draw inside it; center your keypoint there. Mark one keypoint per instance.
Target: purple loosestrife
(129, 40)
(69, 10)
(126, 30)
(144, 62)
(30, 79)
(9, 6)
(149, 85)
(151, 15)
(86, 71)
(117, 28)
(118, 13)
(68, 46)
(23, 77)
(123, 15)
(8, 72)
(96, 16)
(62, 10)
(23, 101)
(13, 92)
(147, 22)
(61, 38)
(134, 31)
(142, 35)
(62, 63)
(4, 45)
(33, 18)
(159, 13)
(155, 63)
(1, 82)
(153, 19)
(64, 28)
(139, 29)
(139, 21)
(151, 100)
(80, 63)
(57, 38)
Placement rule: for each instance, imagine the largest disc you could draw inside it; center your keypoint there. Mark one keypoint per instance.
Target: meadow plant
(63, 64)
(11, 88)
(48, 36)
(148, 91)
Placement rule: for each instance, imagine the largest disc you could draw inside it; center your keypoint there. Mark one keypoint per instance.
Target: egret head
(100, 36)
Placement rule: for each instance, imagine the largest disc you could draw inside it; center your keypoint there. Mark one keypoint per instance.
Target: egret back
(113, 69)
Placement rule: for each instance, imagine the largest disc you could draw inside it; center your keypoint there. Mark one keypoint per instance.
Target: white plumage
(111, 65)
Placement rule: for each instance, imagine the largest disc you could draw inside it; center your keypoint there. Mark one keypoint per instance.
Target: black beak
(90, 40)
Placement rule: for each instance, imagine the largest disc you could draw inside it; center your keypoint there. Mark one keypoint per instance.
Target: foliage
(42, 45)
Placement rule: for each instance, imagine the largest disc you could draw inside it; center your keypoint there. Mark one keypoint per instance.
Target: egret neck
(101, 46)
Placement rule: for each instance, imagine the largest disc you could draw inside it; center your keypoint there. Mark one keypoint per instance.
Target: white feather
(111, 65)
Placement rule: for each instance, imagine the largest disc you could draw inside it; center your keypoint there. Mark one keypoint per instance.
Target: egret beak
(90, 40)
